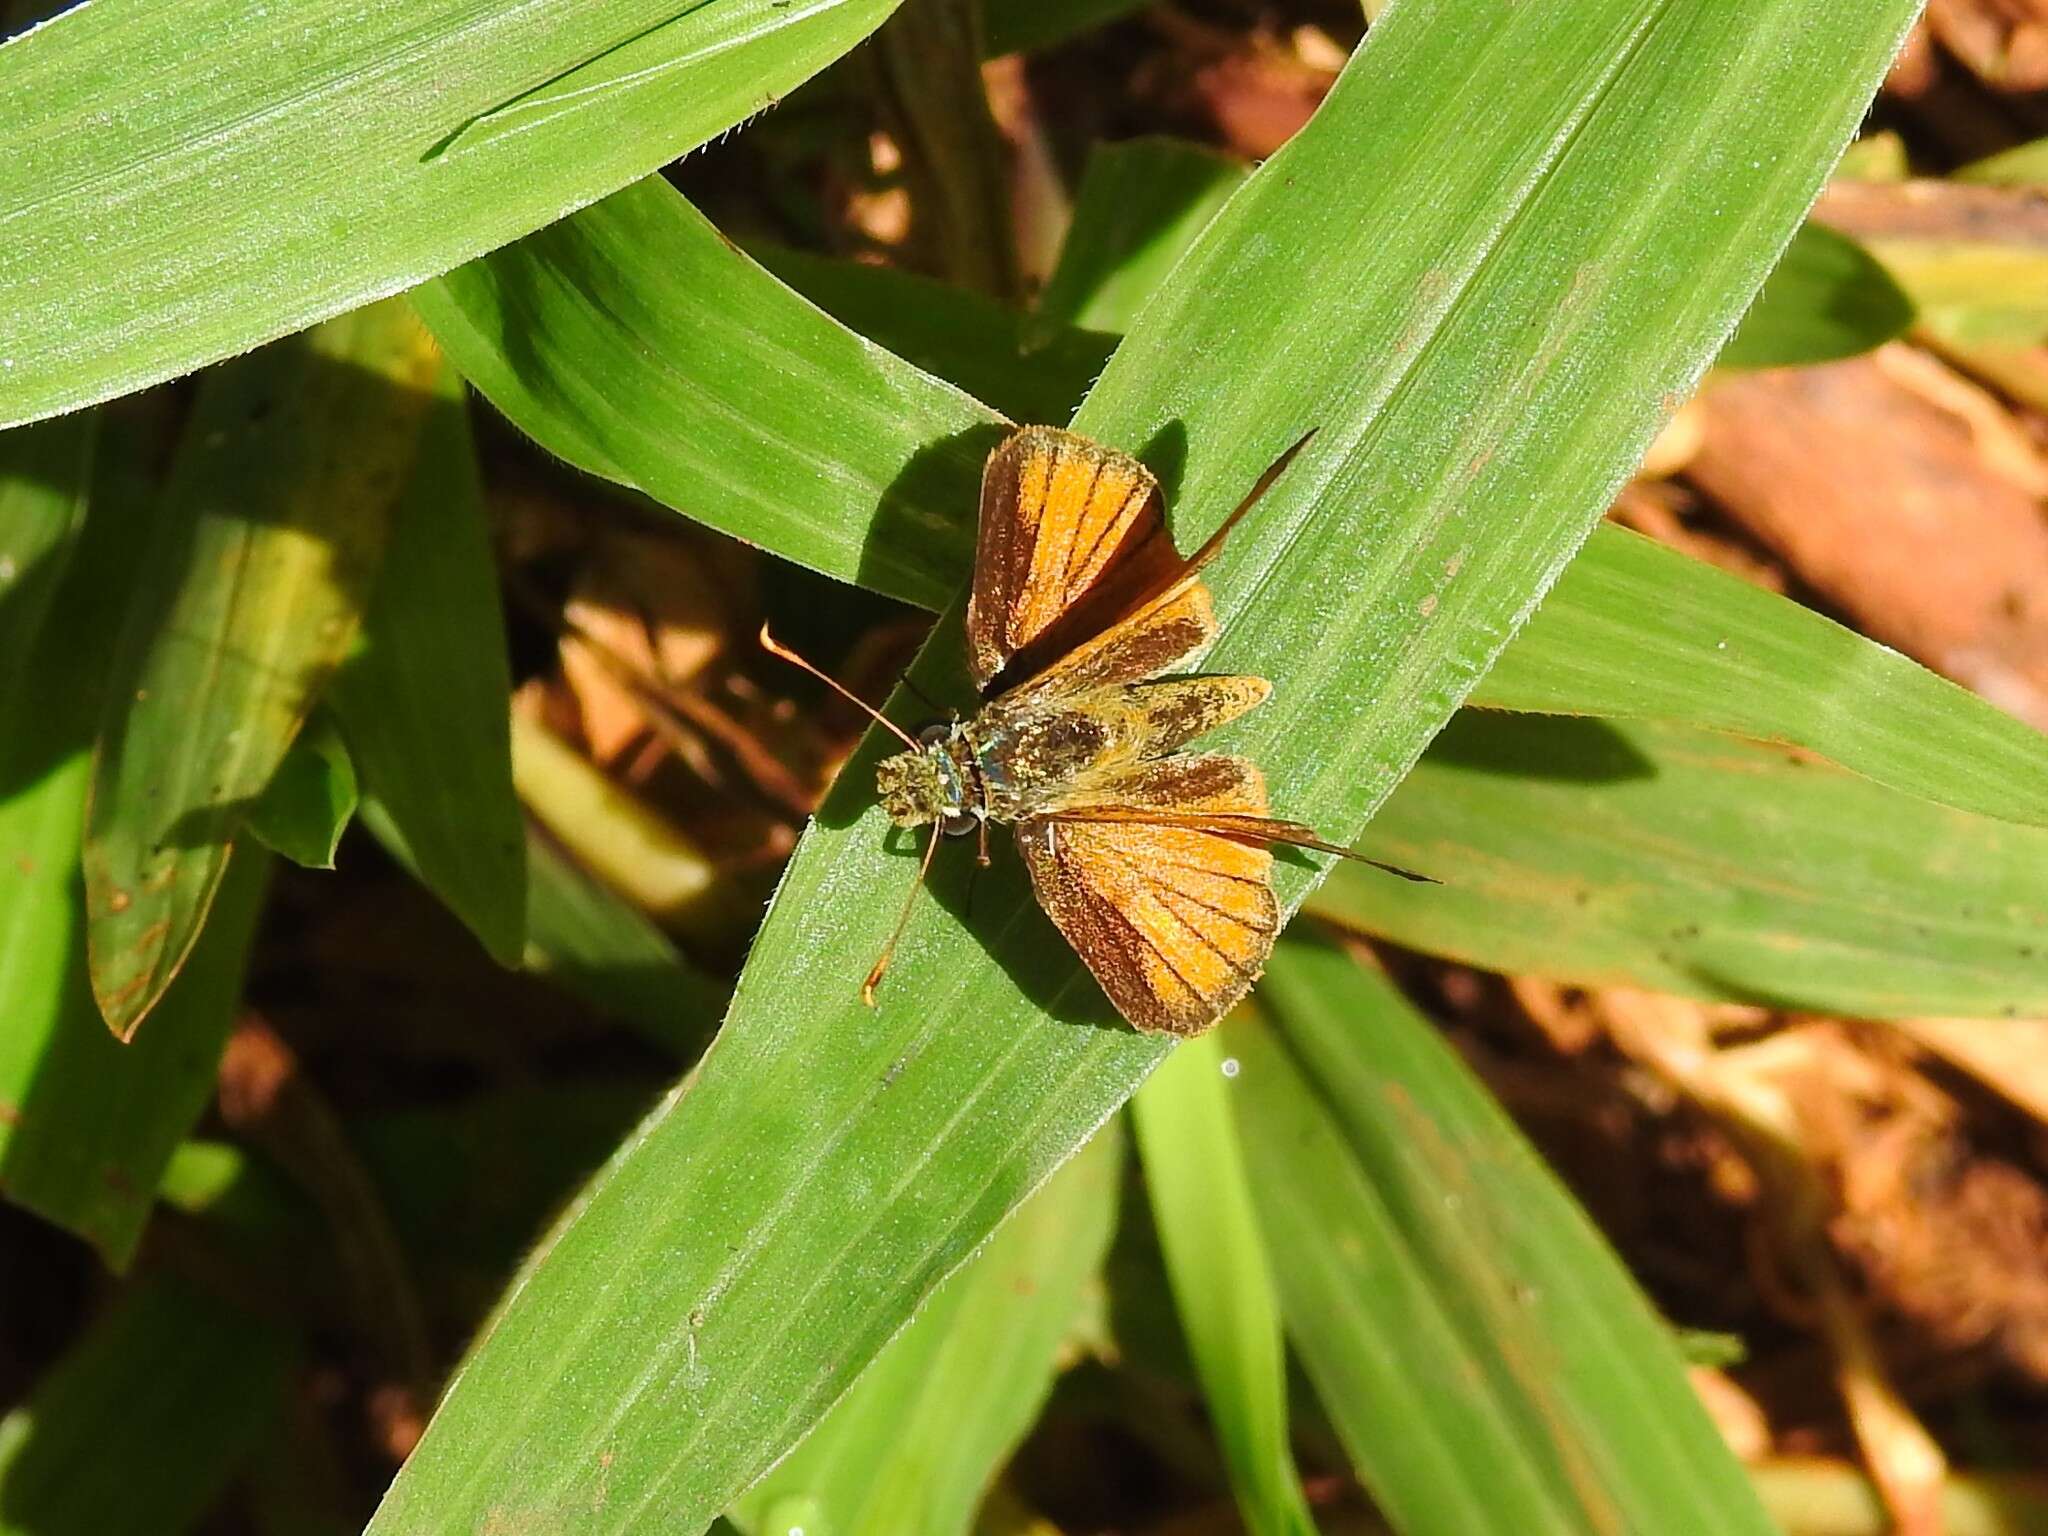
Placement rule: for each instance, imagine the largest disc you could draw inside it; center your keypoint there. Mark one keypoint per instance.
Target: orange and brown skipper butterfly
(1153, 862)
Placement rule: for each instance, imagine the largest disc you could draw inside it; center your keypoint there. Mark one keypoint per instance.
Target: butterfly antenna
(1273, 472)
(874, 979)
(775, 647)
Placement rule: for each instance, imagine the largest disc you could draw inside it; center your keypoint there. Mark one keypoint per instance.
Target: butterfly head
(930, 784)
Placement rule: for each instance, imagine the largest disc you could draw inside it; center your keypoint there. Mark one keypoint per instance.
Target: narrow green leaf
(1618, 176)
(141, 1425)
(1140, 206)
(591, 942)
(1216, 1259)
(639, 344)
(1828, 298)
(1650, 855)
(85, 1123)
(285, 166)
(308, 803)
(911, 1449)
(258, 561)
(1636, 631)
(425, 699)
(1488, 1362)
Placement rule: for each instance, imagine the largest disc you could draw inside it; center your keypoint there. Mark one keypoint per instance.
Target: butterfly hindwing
(1174, 921)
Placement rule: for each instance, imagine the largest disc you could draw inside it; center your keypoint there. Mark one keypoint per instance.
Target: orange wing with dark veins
(1174, 921)
(1060, 517)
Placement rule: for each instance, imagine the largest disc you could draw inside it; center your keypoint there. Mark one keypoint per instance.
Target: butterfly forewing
(1071, 532)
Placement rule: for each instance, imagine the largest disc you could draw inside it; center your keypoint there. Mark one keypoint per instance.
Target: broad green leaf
(287, 164)
(308, 803)
(1636, 631)
(1651, 855)
(1024, 26)
(258, 561)
(591, 942)
(911, 1449)
(1216, 1260)
(1485, 1357)
(424, 700)
(1140, 206)
(1618, 177)
(1827, 299)
(85, 1123)
(137, 1429)
(637, 343)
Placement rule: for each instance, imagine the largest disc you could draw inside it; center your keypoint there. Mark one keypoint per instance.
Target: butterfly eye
(931, 735)
(960, 825)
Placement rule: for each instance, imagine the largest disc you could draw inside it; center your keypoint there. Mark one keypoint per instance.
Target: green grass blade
(258, 562)
(1828, 298)
(910, 1450)
(86, 1124)
(636, 342)
(139, 1427)
(424, 701)
(1140, 206)
(1636, 631)
(1216, 1260)
(283, 167)
(1486, 1359)
(310, 799)
(828, 1164)
(1657, 856)
(591, 942)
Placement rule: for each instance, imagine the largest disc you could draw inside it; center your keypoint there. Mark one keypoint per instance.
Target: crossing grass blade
(1487, 1361)
(1203, 1207)
(1652, 855)
(780, 1219)
(285, 165)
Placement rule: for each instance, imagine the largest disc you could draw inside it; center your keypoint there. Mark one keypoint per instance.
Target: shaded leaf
(308, 803)
(1140, 206)
(86, 1124)
(260, 555)
(145, 1420)
(424, 701)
